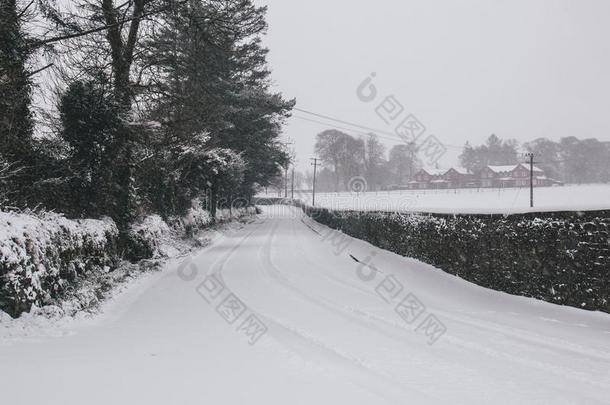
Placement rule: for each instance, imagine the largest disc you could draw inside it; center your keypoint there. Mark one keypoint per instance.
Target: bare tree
(8, 172)
(342, 153)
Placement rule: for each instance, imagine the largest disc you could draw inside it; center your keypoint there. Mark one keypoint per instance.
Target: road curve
(281, 312)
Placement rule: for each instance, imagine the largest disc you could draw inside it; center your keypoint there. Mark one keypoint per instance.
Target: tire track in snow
(560, 345)
(309, 342)
(354, 315)
(315, 348)
(548, 343)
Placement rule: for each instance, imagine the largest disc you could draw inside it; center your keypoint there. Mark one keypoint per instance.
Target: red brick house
(459, 177)
(512, 176)
(428, 178)
(517, 175)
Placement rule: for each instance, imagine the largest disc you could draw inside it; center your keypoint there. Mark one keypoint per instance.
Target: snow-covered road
(279, 313)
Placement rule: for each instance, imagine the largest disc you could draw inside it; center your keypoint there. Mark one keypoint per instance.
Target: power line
(45, 41)
(345, 122)
(343, 128)
(389, 135)
(394, 136)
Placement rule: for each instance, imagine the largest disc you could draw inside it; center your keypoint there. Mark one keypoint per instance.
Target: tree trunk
(213, 200)
(122, 57)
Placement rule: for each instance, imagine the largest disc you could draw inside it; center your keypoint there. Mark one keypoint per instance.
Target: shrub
(40, 254)
(145, 238)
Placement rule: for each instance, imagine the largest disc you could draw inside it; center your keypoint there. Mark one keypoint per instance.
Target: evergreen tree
(210, 77)
(154, 112)
(89, 120)
(495, 151)
(15, 89)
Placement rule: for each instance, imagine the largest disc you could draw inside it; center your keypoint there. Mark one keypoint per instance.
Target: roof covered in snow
(510, 168)
(461, 170)
(505, 168)
(435, 172)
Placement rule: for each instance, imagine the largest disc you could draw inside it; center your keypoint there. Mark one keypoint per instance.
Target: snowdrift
(560, 257)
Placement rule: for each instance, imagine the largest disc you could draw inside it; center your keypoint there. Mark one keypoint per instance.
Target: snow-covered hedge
(560, 257)
(226, 214)
(40, 254)
(196, 219)
(146, 237)
(152, 237)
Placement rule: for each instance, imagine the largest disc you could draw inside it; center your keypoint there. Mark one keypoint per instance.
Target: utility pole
(292, 188)
(531, 156)
(315, 167)
(286, 181)
(285, 144)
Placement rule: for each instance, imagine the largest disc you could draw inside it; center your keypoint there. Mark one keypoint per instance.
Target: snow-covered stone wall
(560, 257)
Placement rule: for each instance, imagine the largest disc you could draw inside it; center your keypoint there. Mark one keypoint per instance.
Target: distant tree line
(495, 152)
(571, 160)
(158, 103)
(344, 157)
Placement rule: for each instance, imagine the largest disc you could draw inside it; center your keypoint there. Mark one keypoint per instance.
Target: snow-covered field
(508, 200)
(279, 313)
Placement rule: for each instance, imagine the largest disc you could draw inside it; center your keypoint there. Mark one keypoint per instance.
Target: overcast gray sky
(466, 68)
